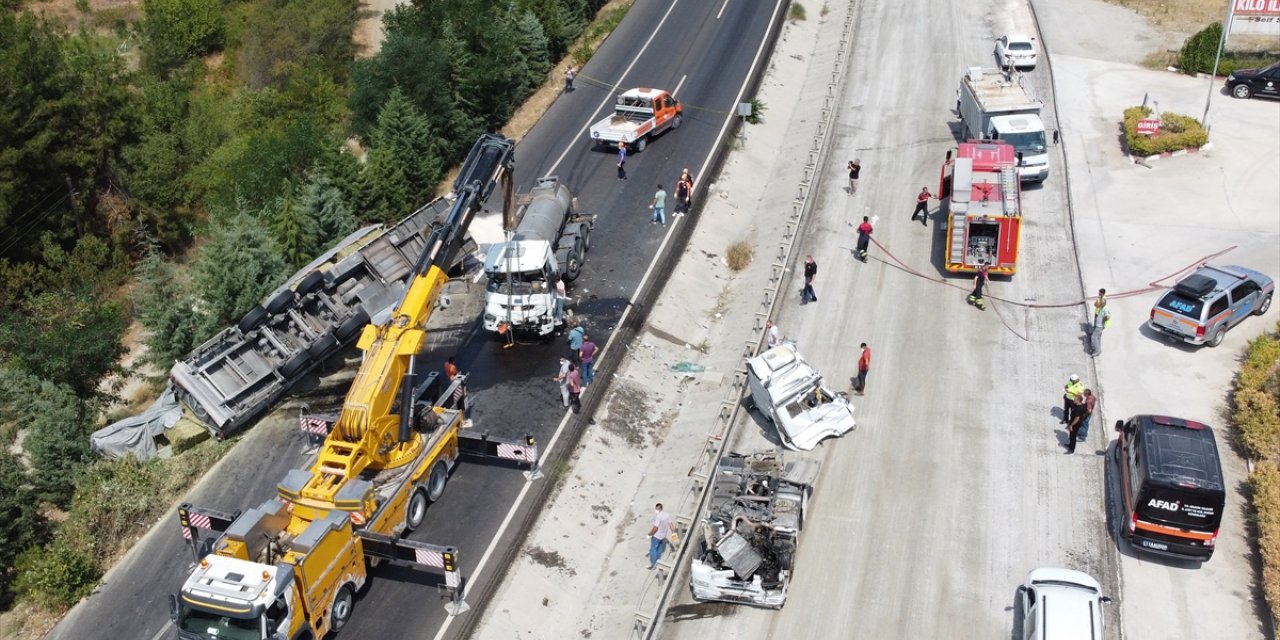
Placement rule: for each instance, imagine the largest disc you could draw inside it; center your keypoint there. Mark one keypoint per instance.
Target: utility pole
(1213, 77)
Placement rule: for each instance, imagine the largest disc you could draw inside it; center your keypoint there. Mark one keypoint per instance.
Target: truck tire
(252, 320)
(352, 326)
(1262, 308)
(295, 364)
(310, 283)
(280, 302)
(436, 481)
(1218, 337)
(416, 511)
(340, 612)
(573, 266)
(196, 408)
(675, 122)
(322, 346)
(641, 143)
(584, 232)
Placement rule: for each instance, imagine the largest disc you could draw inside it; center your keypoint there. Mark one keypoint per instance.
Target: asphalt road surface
(704, 49)
(956, 484)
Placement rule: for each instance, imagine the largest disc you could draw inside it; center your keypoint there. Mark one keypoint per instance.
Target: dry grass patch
(739, 255)
(1183, 16)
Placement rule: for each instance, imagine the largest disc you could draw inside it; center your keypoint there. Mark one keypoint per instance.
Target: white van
(1061, 604)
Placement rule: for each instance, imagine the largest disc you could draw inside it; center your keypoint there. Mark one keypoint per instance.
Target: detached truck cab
(993, 105)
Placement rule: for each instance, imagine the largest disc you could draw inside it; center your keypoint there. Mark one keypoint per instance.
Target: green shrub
(796, 13)
(1176, 132)
(55, 576)
(1198, 52)
(1257, 399)
(1265, 483)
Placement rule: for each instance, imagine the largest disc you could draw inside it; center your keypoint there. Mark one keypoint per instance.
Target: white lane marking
(163, 630)
(676, 91)
(524, 491)
(722, 7)
(609, 98)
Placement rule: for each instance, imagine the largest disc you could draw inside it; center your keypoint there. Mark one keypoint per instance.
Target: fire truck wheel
(416, 511)
(340, 612)
(436, 481)
(642, 143)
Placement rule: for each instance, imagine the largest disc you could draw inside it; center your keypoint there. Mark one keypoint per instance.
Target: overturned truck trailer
(747, 543)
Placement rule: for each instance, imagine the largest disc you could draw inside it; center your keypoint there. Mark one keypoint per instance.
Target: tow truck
(984, 208)
(291, 568)
(638, 115)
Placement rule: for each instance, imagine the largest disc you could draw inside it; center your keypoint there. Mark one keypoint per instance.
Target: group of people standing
(577, 368)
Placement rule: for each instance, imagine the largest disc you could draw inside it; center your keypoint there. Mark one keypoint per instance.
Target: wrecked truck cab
(792, 395)
(748, 539)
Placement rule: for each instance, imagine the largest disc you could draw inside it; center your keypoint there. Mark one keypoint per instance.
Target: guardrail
(655, 597)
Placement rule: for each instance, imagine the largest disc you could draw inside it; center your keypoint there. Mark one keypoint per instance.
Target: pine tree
(165, 307)
(238, 266)
(323, 201)
(295, 229)
(403, 138)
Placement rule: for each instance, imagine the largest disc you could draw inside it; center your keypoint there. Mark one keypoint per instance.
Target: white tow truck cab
(792, 395)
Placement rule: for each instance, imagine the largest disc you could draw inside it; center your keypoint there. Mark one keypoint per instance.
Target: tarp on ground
(136, 435)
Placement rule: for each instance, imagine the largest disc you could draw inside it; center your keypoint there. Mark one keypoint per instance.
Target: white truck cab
(792, 395)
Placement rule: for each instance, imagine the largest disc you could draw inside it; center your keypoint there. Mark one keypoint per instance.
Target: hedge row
(1256, 415)
(1177, 132)
(1200, 50)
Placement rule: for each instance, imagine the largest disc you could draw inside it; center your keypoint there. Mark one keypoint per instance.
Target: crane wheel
(437, 480)
(416, 511)
(340, 612)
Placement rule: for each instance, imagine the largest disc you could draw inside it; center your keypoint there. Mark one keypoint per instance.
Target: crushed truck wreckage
(792, 395)
(748, 539)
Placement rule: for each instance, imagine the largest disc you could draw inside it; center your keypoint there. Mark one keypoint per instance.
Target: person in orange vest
(864, 367)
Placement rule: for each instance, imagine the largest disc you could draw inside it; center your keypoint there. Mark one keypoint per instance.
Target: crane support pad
(484, 446)
(406, 552)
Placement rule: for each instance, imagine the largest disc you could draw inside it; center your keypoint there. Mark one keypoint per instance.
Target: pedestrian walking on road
(587, 355)
(622, 161)
(562, 298)
(563, 379)
(1100, 301)
(864, 367)
(659, 207)
(855, 167)
(659, 534)
(684, 193)
(979, 283)
(1072, 431)
(807, 294)
(1073, 394)
(569, 75)
(1086, 414)
(1101, 320)
(864, 239)
(922, 206)
(575, 388)
(451, 368)
(577, 334)
(771, 334)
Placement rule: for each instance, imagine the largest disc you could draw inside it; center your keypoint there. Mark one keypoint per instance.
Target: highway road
(956, 484)
(705, 50)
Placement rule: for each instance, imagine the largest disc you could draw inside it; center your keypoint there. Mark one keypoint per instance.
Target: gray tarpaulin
(136, 434)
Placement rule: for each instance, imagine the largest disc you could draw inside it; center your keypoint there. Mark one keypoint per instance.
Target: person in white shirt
(659, 533)
(771, 334)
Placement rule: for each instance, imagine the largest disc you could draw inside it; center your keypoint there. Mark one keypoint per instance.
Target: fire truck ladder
(1009, 190)
(959, 230)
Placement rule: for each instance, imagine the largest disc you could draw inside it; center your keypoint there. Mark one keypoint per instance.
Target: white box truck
(993, 104)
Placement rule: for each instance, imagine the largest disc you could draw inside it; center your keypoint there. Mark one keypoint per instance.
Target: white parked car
(1017, 50)
(792, 395)
(1061, 604)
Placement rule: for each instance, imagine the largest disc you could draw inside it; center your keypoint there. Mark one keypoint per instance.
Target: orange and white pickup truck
(639, 115)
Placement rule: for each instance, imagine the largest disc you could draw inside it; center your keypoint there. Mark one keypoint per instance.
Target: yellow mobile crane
(290, 568)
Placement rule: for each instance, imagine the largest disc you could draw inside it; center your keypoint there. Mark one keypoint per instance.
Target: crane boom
(367, 434)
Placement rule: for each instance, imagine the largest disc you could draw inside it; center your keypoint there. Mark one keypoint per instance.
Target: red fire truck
(984, 207)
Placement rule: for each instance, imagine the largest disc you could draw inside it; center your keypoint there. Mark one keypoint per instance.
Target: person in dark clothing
(1072, 431)
(807, 294)
(864, 238)
(855, 167)
(979, 282)
(684, 193)
(922, 206)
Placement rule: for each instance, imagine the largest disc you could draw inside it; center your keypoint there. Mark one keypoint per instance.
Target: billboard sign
(1255, 17)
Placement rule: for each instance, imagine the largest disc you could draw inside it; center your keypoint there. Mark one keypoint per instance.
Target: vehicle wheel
(252, 320)
(416, 511)
(352, 326)
(322, 346)
(436, 481)
(196, 408)
(642, 143)
(675, 123)
(310, 283)
(1218, 336)
(294, 365)
(340, 612)
(584, 232)
(1241, 91)
(1262, 308)
(573, 266)
(280, 302)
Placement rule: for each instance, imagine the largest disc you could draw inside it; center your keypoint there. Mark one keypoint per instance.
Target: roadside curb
(1147, 160)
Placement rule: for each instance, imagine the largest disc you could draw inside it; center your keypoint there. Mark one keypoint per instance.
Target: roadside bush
(1199, 50)
(739, 255)
(55, 576)
(1257, 399)
(1265, 483)
(1177, 132)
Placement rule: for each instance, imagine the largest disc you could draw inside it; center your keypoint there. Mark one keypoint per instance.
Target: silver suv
(1061, 604)
(1204, 305)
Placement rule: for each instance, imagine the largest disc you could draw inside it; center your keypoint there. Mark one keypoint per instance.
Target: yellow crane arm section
(367, 433)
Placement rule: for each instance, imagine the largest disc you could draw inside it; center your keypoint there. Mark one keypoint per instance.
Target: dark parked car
(1244, 83)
